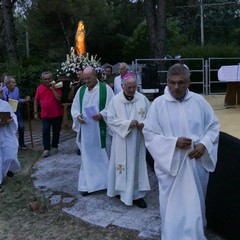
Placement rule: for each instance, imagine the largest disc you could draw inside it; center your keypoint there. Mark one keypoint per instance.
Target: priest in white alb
(128, 176)
(181, 133)
(93, 138)
(8, 141)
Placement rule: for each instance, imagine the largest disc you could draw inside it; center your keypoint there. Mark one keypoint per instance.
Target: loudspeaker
(150, 77)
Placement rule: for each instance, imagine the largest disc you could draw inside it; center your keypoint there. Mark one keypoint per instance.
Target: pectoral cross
(141, 112)
(120, 168)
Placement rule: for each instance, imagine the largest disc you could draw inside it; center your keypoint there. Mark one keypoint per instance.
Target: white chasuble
(182, 181)
(95, 159)
(8, 143)
(128, 175)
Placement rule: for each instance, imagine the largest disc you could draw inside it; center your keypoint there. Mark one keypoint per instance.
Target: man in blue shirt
(11, 91)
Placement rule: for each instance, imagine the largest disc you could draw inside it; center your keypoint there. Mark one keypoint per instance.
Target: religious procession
(112, 156)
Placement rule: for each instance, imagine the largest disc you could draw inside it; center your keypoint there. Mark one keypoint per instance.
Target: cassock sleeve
(210, 138)
(75, 112)
(162, 148)
(120, 126)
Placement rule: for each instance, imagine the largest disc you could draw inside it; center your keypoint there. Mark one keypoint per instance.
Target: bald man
(93, 139)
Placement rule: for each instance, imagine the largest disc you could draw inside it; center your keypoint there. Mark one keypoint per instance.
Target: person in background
(11, 91)
(181, 133)
(93, 138)
(109, 79)
(2, 79)
(49, 100)
(99, 72)
(9, 163)
(123, 69)
(181, 61)
(75, 85)
(127, 175)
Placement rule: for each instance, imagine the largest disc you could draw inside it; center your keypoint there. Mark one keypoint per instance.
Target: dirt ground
(229, 118)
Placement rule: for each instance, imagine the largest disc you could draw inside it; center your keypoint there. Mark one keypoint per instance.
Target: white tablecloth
(229, 73)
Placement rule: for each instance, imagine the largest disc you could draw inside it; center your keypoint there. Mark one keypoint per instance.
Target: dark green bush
(27, 73)
(209, 50)
(28, 76)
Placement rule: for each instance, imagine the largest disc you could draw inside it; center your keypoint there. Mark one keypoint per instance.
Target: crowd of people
(179, 130)
(115, 124)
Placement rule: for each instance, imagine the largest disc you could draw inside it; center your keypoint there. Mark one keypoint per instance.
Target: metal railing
(213, 65)
(160, 66)
(204, 79)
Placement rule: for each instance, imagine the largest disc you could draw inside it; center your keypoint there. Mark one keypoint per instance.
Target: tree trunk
(156, 22)
(9, 30)
(64, 32)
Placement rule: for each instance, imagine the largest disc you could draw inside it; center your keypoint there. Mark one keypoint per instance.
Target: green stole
(102, 103)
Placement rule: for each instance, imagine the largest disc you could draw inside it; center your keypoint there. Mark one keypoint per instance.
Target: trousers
(48, 123)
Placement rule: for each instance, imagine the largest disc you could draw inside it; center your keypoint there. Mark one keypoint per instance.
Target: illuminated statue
(80, 39)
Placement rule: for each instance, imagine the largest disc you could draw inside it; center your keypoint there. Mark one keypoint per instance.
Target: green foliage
(175, 37)
(115, 30)
(52, 26)
(27, 73)
(137, 46)
(209, 50)
(221, 19)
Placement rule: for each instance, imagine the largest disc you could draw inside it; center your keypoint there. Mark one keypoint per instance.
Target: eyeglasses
(179, 83)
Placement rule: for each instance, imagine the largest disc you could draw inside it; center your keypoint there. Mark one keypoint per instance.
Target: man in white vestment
(123, 69)
(181, 133)
(8, 141)
(88, 113)
(127, 175)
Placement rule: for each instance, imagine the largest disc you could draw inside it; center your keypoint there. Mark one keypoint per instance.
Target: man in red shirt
(49, 100)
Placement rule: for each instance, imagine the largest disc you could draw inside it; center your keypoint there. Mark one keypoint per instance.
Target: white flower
(73, 63)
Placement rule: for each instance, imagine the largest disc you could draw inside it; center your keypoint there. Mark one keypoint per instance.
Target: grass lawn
(17, 221)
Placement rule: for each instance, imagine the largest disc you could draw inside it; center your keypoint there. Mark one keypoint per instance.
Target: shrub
(27, 74)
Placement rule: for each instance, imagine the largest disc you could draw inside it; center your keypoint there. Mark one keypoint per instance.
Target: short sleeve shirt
(50, 107)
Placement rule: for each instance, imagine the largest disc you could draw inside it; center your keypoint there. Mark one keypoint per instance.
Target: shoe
(54, 151)
(23, 147)
(45, 153)
(10, 174)
(140, 203)
(78, 152)
(84, 194)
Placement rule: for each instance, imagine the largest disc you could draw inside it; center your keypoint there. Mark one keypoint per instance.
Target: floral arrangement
(75, 62)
